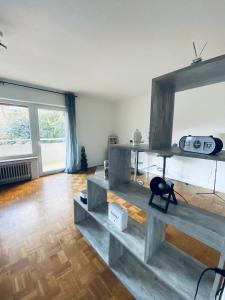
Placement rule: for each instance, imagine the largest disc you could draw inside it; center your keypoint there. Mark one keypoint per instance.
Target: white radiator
(15, 172)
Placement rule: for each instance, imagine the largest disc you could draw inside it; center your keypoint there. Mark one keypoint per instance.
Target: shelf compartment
(171, 151)
(133, 238)
(194, 221)
(178, 152)
(181, 271)
(200, 224)
(96, 235)
(141, 281)
(100, 181)
(134, 193)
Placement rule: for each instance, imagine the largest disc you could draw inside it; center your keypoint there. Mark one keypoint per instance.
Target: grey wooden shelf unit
(149, 266)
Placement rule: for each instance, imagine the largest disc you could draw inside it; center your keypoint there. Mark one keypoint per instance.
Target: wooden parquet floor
(43, 256)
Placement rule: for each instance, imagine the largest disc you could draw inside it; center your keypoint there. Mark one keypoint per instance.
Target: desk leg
(164, 167)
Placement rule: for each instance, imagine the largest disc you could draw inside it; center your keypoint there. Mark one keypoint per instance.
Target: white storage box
(118, 216)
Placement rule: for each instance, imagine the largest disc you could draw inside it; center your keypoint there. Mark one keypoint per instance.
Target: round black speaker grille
(158, 186)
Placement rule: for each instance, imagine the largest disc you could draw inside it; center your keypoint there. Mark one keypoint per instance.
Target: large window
(31, 129)
(15, 134)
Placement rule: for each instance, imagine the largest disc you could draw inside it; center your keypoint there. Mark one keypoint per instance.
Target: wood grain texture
(161, 119)
(97, 194)
(119, 166)
(116, 250)
(155, 236)
(42, 256)
(207, 72)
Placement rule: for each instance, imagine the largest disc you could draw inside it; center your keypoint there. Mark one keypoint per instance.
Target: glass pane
(15, 136)
(52, 139)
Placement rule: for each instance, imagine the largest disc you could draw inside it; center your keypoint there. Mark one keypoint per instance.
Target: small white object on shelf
(137, 136)
(118, 216)
(106, 169)
(83, 196)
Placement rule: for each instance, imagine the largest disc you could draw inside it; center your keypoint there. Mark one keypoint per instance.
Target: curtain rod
(32, 87)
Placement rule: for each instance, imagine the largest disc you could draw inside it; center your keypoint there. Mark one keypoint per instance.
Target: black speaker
(163, 189)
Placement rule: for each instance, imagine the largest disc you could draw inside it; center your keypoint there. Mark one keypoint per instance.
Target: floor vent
(15, 172)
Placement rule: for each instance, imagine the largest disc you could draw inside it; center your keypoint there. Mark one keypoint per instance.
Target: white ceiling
(105, 48)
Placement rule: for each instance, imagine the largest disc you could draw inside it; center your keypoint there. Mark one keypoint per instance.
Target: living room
(97, 97)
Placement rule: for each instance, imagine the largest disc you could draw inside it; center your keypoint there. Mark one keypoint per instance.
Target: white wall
(131, 115)
(94, 124)
(198, 112)
(94, 117)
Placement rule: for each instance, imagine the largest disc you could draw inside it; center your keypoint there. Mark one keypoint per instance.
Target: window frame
(24, 105)
(34, 130)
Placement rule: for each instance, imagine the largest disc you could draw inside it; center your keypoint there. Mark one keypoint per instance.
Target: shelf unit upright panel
(96, 195)
(93, 231)
(120, 184)
(116, 250)
(162, 111)
(119, 166)
(155, 235)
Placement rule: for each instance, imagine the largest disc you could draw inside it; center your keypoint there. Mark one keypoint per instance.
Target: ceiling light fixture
(1, 37)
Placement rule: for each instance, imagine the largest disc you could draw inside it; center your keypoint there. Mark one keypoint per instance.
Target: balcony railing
(53, 151)
(52, 140)
(14, 141)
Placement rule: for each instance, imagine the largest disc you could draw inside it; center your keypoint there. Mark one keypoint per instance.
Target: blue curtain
(71, 143)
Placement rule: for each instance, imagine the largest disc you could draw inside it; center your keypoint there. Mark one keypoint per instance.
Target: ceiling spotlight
(1, 44)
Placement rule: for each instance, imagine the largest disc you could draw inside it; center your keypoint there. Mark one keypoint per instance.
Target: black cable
(200, 278)
(221, 290)
(218, 293)
(181, 196)
(216, 270)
